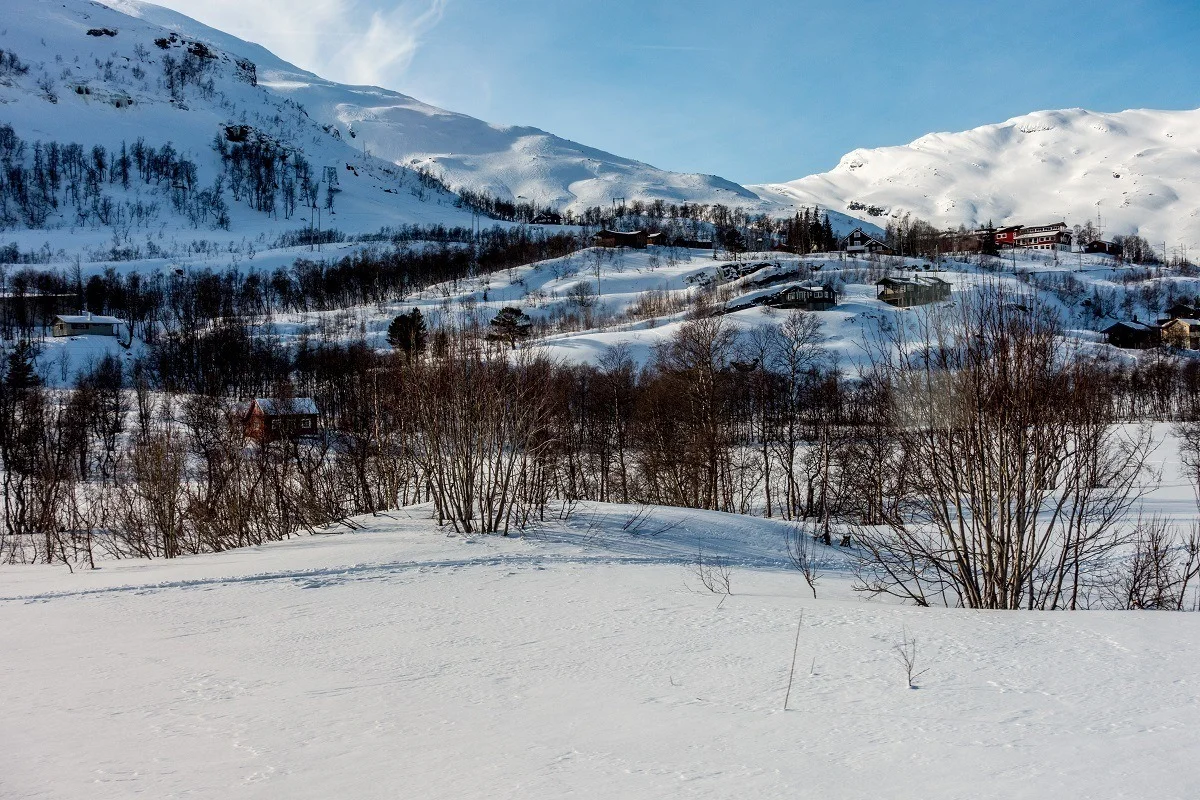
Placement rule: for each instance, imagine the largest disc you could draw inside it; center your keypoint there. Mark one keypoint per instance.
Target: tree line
(992, 470)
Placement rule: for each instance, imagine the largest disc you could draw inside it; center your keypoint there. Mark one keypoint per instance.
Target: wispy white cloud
(351, 41)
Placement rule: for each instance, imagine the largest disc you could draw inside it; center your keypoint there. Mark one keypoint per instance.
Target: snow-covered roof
(1132, 325)
(86, 319)
(918, 280)
(273, 406)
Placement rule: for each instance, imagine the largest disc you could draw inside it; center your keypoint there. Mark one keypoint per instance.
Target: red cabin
(269, 419)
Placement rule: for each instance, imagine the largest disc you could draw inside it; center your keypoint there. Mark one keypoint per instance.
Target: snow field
(581, 661)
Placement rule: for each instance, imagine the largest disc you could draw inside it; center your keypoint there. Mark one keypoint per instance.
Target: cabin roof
(84, 319)
(1141, 327)
(273, 406)
(919, 280)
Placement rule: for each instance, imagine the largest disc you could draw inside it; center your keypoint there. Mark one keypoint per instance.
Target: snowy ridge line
(1128, 172)
(365, 571)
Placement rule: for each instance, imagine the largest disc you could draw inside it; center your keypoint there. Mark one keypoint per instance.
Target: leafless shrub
(906, 654)
(714, 574)
(641, 522)
(804, 554)
(1161, 572)
(1018, 477)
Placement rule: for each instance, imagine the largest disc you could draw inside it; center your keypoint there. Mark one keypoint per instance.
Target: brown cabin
(1101, 247)
(1133, 335)
(635, 239)
(269, 419)
(1181, 332)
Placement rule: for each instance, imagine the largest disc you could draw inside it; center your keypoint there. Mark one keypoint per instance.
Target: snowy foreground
(583, 661)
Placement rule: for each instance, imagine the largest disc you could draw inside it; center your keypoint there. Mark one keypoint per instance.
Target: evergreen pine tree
(408, 333)
(20, 374)
(510, 325)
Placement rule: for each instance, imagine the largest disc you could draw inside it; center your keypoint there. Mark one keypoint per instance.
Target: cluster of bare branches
(1163, 571)
(804, 554)
(906, 653)
(981, 461)
(714, 573)
(1019, 481)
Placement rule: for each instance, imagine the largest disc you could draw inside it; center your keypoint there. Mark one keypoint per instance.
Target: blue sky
(752, 90)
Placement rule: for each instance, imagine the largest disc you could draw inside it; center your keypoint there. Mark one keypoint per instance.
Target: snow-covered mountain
(505, 161)
(96, 77)
(77, 72)
(1139, 170)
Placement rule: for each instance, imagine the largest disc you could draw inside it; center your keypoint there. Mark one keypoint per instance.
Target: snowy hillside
(644, 297)
(508, 162)
(1140, 170)
(83, 74)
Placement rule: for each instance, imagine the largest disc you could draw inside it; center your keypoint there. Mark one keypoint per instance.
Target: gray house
(86, 325)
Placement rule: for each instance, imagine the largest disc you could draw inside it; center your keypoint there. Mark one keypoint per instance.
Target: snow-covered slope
(98, 77)
(1140, 170)
(508, 162)
(581, 661)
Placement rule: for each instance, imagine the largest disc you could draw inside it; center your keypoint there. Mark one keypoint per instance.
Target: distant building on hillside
(916, 291)
(656, 238)
(1044, 237)
(1182, 310)
(1101, 247)
(694, 244)
(859, 241)
(606, 238)
(1181, 332)
(1133, 335)
(1006, 236)
(811, 298)
(268, 419)
(85, 325)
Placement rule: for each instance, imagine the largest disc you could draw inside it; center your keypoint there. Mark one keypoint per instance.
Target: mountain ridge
(1139, 169)
(465, 152)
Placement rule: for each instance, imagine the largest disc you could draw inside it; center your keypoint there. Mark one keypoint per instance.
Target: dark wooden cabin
(916, 291)
(268, 419)
(810, 298)
(859, 241)
(1101, 247)
(634, 239)
(1133, 335)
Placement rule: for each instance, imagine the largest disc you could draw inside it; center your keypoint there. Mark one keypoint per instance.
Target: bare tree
(906, 654)
(1019, 482)
(803, 553)
(1162, 570)
(714, 574)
